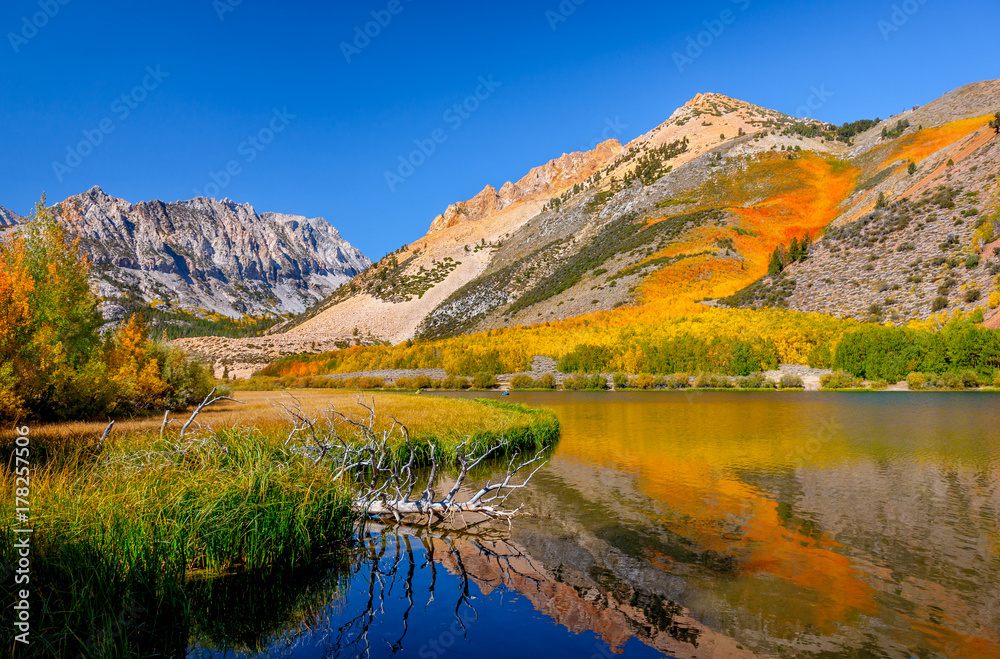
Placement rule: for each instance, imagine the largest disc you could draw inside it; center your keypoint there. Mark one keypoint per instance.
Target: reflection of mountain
(593, 600)
(779, 555)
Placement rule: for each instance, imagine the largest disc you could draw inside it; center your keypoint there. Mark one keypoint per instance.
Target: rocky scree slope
(933, 250)
(207, 256)
(931, 245)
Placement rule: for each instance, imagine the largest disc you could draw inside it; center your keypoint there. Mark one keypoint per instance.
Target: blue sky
(150, 99)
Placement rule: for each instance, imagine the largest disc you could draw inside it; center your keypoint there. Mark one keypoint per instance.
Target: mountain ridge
(205, 256)
(686, 215)
(8, 218)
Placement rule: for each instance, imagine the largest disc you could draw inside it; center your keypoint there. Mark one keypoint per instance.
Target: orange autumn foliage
(917, 146)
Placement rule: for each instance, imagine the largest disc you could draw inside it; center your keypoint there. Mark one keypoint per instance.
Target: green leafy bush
(755, 381)
(522, 381)
(645, 381)
(790, 381)
(839, 380)
(455, 382)
(546, 381)
(712, 381)
(582, 381)
(484, 380)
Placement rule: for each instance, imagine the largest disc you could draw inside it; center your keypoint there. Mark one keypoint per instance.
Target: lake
(687, 524)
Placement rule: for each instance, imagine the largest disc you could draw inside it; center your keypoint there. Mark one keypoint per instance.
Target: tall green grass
(131, 540)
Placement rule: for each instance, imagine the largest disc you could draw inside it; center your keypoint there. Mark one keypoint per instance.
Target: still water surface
(697, 524)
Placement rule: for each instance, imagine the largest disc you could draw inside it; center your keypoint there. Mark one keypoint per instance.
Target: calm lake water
(689, 525)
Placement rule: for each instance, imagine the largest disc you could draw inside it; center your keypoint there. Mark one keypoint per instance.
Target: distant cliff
(8, 218)
(204, 255)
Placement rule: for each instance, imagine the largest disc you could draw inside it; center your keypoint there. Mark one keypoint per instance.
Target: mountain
(8, 218)
(520, 254)
(690, 215)
(207, 256)
(931, 245)
(689, 211)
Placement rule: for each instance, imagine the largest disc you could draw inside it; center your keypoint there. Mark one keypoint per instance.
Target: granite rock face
(8, 218)
(205, 255)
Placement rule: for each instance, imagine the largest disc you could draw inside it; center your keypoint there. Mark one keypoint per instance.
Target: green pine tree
(775, 266)
(793, 250)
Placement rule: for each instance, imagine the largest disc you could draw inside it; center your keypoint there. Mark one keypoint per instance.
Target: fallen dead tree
(395, 478)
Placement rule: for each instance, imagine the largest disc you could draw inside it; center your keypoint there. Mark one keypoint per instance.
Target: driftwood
(386, 476)
(205, 403)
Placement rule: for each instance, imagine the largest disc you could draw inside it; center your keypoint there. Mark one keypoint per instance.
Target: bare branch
(205, 403)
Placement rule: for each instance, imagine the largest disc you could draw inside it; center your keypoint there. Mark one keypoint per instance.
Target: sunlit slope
(774, 199)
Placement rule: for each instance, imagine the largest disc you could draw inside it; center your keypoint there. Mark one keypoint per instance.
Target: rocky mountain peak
(207, 255)
(8, 218)
(542, 182)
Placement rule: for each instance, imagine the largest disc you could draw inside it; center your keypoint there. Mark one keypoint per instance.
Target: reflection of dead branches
(381, 465)
(388, 561)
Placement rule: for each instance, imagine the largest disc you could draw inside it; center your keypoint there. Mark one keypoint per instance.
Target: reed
(122, 529)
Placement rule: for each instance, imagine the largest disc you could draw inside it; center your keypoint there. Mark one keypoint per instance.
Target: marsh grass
(122, 528)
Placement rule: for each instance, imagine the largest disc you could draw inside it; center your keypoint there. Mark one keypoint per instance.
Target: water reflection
(709, 525)
(433, 595)
(879, 539)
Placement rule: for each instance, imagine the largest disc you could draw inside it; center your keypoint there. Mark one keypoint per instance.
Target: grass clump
(119, 531)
